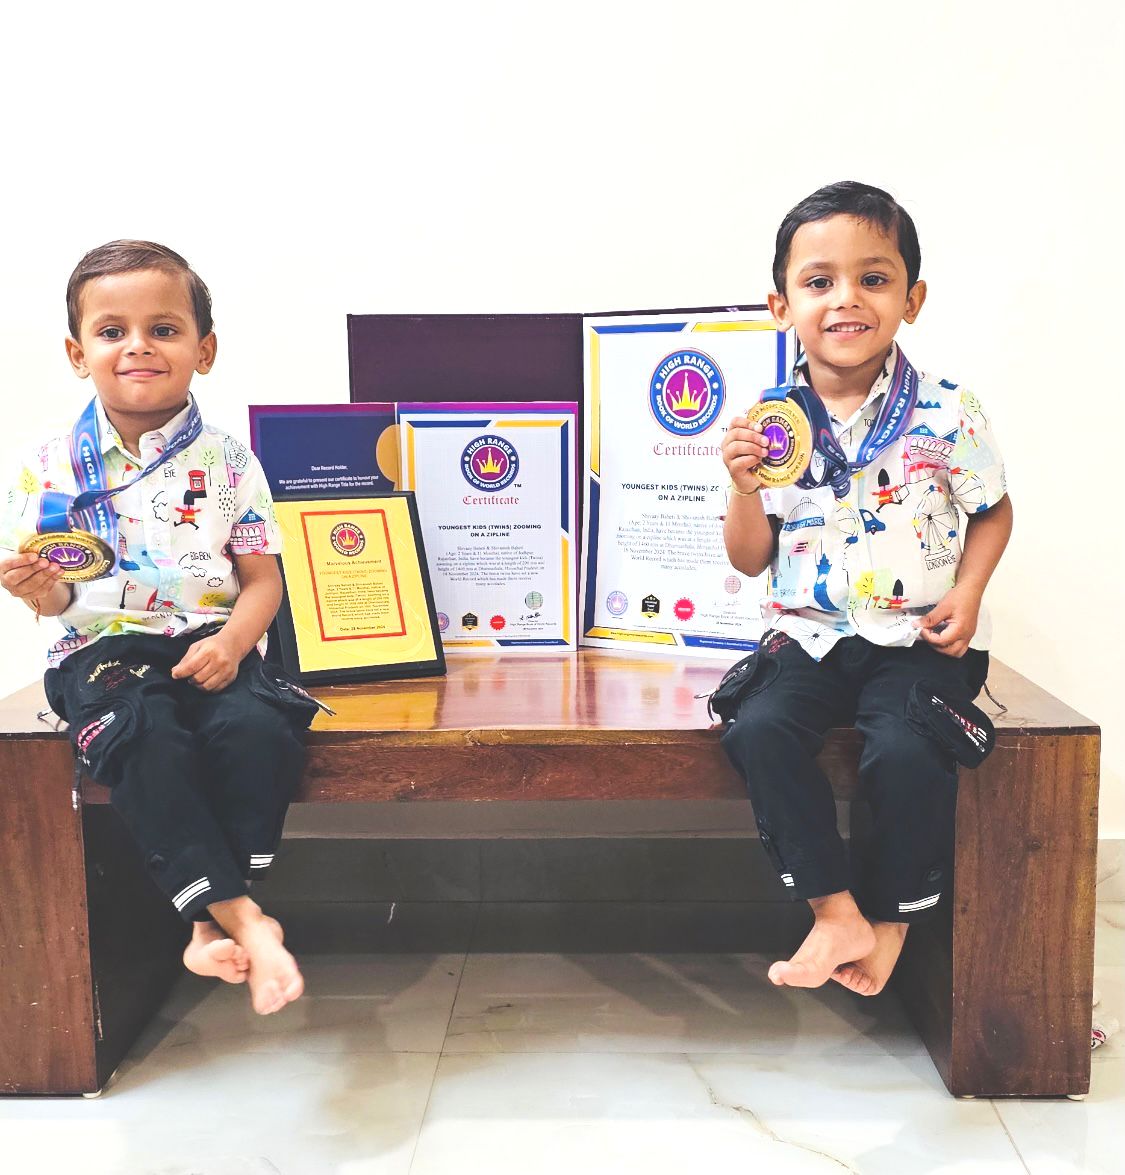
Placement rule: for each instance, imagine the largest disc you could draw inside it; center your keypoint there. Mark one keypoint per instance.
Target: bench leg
(1001, 990)
(88, 946)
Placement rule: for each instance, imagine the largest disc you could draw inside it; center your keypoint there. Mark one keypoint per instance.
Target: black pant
(907, 769)
(202, 780)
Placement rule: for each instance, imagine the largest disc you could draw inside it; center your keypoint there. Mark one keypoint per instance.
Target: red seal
(684, 609)
(497, 622)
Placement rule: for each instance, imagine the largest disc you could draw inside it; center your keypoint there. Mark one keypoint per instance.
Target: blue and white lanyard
(834, 468)
(90, 509)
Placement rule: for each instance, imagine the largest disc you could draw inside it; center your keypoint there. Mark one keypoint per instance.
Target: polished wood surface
(1002, 997)
(1000, 991)
(559, 698)
(47, 1025)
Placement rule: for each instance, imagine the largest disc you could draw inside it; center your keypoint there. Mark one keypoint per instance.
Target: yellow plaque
(789, 434)
(81, 555)
(358, 602)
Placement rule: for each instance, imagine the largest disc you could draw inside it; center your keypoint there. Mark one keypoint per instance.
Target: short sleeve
(976, 468)
(19, 506)
(254, 530)
(771, 501)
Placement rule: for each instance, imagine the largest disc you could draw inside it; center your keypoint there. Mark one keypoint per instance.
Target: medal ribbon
(91, 509)
(890, 423)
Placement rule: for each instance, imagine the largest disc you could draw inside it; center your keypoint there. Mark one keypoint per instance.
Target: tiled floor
(540, 1063)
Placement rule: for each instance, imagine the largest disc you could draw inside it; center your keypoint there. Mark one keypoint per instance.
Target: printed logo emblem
(442, 621)
(650, 606)
(347, 538)
(91, 731)
(534, 599)
(490, 463)
(732, 585)
(497, 622)
(469, 621)
(686, 392)
(684, 609)
(617, 603)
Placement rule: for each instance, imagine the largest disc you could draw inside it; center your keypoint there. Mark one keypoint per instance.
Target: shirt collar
(111, 438)
(878, 388)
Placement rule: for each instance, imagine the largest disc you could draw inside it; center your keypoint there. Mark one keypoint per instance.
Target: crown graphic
(687, 402)
(347, 538)
(490, 465)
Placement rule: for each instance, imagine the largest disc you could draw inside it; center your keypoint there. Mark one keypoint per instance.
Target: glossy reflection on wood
(1000, 991)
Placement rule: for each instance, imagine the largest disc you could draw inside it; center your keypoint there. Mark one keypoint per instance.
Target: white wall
(313, 161)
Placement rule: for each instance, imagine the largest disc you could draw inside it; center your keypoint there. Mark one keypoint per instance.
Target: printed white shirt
(874, 562)
(178, 529)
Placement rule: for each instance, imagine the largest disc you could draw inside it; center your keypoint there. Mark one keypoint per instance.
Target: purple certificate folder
(328, 450)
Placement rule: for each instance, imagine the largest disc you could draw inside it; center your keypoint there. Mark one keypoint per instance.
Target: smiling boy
(875, 621)
(168, 700)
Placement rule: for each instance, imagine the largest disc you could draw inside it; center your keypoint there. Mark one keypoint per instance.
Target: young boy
(875, 598)
(159, 676)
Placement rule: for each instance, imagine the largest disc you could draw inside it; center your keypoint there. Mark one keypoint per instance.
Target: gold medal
(789, 434)
(81, 555)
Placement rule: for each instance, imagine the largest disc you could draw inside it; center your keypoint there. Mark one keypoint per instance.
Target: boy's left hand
(956, 615)
(211, 664)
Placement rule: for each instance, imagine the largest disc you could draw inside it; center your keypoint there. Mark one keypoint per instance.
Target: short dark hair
(850, 198)
(126, 257)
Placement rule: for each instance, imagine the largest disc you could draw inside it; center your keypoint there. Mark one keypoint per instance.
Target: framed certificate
(358, 604)
(496, 495)
(660, 391)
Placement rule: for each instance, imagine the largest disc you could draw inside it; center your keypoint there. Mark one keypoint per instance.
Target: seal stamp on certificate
(789, 434)
(81, 555)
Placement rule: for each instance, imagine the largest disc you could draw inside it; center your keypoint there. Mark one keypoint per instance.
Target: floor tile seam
(441, 1052)
(1008, 1133)
(698, 1054)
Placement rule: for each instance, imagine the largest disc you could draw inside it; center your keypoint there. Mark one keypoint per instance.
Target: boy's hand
(28, 576)
(211, 664)
(744, 446)
(956, 615)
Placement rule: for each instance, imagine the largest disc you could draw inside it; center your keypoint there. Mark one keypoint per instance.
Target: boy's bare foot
(274, 977)
(212, 953)
(840, 935)
(869, 975)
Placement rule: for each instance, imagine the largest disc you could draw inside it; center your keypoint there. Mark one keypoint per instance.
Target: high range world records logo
(686, 392)
(490, 463)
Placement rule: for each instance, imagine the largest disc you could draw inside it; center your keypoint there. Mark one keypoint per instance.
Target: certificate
(358, 604)
(329, 449)
(496, 495)
(660, 390)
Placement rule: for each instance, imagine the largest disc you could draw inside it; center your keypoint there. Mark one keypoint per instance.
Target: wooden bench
(1000, 991)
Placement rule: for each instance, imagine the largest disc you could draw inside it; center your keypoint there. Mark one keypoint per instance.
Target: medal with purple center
(789, 436)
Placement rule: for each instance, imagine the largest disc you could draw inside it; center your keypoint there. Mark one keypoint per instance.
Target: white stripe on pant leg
(190, 892)
(261, 860)
(787, 878)
(921, 904)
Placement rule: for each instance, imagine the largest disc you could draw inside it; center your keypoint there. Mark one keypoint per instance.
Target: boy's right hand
(28, 576)
(744, 447)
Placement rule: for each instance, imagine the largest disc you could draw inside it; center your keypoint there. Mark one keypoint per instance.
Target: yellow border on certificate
(632, 637)
(724, 327)
(409, 485)
(595, 420)
(567, 601)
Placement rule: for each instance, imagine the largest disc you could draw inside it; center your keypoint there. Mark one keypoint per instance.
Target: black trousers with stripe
(907, 771)
(201, 780)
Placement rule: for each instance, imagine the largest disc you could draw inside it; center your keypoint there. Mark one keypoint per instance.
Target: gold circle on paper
(81, 555)
(386, 455)
(790, 436)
